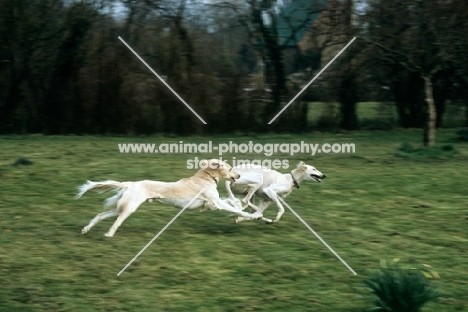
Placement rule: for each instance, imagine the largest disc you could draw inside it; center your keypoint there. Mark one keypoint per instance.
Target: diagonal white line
(160, 232)
(316, 76)
(313, 232)
(162, 80)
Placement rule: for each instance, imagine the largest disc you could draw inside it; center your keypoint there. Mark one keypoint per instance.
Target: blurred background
(64, 71)
(65, 74)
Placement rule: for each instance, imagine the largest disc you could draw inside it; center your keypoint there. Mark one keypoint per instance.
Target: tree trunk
(348, 98)
(430, 123)
(442, 85)
(466, 113)
(279, 88)
(407, 90)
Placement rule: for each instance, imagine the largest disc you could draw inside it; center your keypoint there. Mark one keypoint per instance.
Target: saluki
(268, 184)
(130, 195)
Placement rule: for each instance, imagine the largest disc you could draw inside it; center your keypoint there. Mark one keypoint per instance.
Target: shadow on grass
(22, 162)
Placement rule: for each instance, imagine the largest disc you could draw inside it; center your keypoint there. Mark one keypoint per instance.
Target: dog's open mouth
(316, 178)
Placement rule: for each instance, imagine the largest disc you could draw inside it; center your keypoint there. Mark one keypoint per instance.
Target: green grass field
(374, 115)
(373, 205)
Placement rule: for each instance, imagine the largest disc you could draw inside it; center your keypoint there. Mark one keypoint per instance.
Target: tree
(413, 36)
(62, 107)
(28, 35)
(335, 29)
(457, 45)
(271, 31)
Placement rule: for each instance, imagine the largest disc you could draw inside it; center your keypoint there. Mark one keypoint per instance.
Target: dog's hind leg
(111, 202)
(98, 218)
(120, 219)
(252, 188)
(251, 204)
(248, 183)
(126, 207)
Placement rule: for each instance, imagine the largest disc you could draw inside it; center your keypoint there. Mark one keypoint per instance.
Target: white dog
(130, 195)
(268, 185)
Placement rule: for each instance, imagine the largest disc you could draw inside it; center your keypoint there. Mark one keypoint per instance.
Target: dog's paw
(84, 231)
(272, 221)
(108, 234)
(257, 216)
(239, 219)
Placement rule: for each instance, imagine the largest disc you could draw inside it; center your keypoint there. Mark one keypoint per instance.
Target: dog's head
(220, 170)
(310, 172)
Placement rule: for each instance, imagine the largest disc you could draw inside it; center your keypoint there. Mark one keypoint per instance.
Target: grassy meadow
(373, 205)
(379, 115)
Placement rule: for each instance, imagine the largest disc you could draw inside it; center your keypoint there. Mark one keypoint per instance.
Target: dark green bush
(397, 289)
(406, 150)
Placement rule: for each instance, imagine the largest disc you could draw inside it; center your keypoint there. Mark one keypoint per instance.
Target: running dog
(130, 195)
(268, 184)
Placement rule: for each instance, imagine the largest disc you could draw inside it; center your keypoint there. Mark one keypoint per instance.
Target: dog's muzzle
(234, 179)
(317, 177)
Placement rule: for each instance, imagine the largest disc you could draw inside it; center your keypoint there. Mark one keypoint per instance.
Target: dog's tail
(100, 187)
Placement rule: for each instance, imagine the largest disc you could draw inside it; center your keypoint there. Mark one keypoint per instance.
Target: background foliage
(63, 70)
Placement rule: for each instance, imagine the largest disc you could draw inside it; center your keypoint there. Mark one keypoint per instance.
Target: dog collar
(294, 181)
(216, 181)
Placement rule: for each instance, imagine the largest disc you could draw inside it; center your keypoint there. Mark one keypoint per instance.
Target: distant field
(371, 114)
(372, 205)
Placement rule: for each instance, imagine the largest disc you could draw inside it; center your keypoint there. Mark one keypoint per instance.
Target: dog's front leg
(248, 216)
(217, 202)
(274, 197)
(228, 189)
(259, 209)
(263, 205)
(242, 219)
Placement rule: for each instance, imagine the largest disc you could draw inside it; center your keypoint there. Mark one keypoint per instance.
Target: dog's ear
(302, 165)
(214, 163)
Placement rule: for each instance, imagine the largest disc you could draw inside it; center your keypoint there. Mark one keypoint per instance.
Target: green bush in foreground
(397, 289)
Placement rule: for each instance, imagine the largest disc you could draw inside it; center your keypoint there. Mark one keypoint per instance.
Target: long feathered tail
(100, 187)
